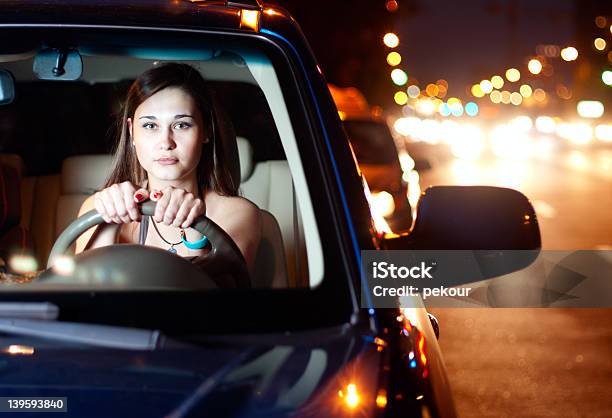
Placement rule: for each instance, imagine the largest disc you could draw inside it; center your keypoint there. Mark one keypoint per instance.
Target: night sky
(460, 41)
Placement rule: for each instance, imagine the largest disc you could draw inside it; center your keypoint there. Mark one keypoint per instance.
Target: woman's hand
(118, 203)
(177, 207)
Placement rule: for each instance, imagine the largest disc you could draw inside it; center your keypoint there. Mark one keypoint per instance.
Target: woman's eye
(182, 125)
(148, 125)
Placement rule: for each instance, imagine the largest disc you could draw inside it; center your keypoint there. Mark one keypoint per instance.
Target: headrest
(10, 198)
(85, 174)
(245, 155)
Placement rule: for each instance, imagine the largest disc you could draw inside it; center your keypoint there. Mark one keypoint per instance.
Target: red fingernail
(138, 197)
(156, 195)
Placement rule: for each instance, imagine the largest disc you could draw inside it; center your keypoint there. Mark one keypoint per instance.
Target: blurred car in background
(388, 171)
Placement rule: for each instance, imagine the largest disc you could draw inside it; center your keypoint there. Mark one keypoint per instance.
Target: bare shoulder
(218, 205)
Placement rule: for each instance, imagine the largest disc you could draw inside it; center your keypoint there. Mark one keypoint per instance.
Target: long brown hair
(213, 171)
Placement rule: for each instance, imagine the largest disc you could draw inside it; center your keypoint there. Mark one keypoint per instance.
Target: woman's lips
(167, 161)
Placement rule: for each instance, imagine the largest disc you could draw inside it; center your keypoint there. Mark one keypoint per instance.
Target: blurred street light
(391, 40)
(516, 98)
(495, 96)
(569, 54)
(486, 86)
(391, 6)
(505, 97)
(539, 95)
(497, 82)
(526, 90)
(413, 91)
(600, 44)
(401, 98)
(513, 75)
(393, 59)
(600, 21)
(471, 109)
(590, 109)
(545, 124)
(534, 66)
(399, 77)
(604, 132)
(432, 90)
(477, 91)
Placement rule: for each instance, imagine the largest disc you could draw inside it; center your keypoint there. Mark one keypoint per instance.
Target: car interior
(57, 137)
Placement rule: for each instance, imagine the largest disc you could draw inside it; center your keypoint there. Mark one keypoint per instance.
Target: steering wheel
(138, 265)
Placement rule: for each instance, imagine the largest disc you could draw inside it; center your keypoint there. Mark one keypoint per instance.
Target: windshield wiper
(91, 334)
(29, 310)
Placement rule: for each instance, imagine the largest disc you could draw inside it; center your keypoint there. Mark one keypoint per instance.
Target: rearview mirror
(7, 87)
(58, 64)
(498, 224)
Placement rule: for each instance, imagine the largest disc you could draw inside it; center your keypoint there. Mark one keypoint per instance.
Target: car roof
(194, 14)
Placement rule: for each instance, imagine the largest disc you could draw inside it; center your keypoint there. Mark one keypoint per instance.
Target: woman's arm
(243, 223)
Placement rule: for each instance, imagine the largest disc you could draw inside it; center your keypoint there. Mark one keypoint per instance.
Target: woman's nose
(167, 140)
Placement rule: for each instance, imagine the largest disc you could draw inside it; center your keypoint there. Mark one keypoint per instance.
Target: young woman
(170, 150)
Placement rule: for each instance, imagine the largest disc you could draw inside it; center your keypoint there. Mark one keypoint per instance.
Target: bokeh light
(606, 77)
(399, 77)
(392, 5)
(526, 90)
(495, 96)
(569, 54)
(442, 90)
(456, 109)
(600, 44)
(394, 58)
(432, 90)
(477, 91)
(563, 92)
(425, 106)
(604, 132)
(497, 81)
(513, 75)
(505, 97)
(444, 110)
(600, 22)
(471, 109)
(534, 66)
(413, 91)
(590, 109)
(545, 124)
(401, 98)
(391, 40)
(516, 98)
(539, 95)
(486, 86)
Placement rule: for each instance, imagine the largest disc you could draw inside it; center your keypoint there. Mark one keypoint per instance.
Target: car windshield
(57, 139)
(371, 141)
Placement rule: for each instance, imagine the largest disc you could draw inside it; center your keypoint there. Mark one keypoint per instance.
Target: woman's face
(168, 132)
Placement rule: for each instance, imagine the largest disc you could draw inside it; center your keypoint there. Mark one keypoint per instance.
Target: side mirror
(498, 225)
(7, 87)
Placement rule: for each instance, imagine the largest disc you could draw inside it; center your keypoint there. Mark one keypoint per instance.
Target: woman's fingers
(116, 203)
(197, 208)
(141, 195)
(99, 204)
(183, 211)
(162, 199)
